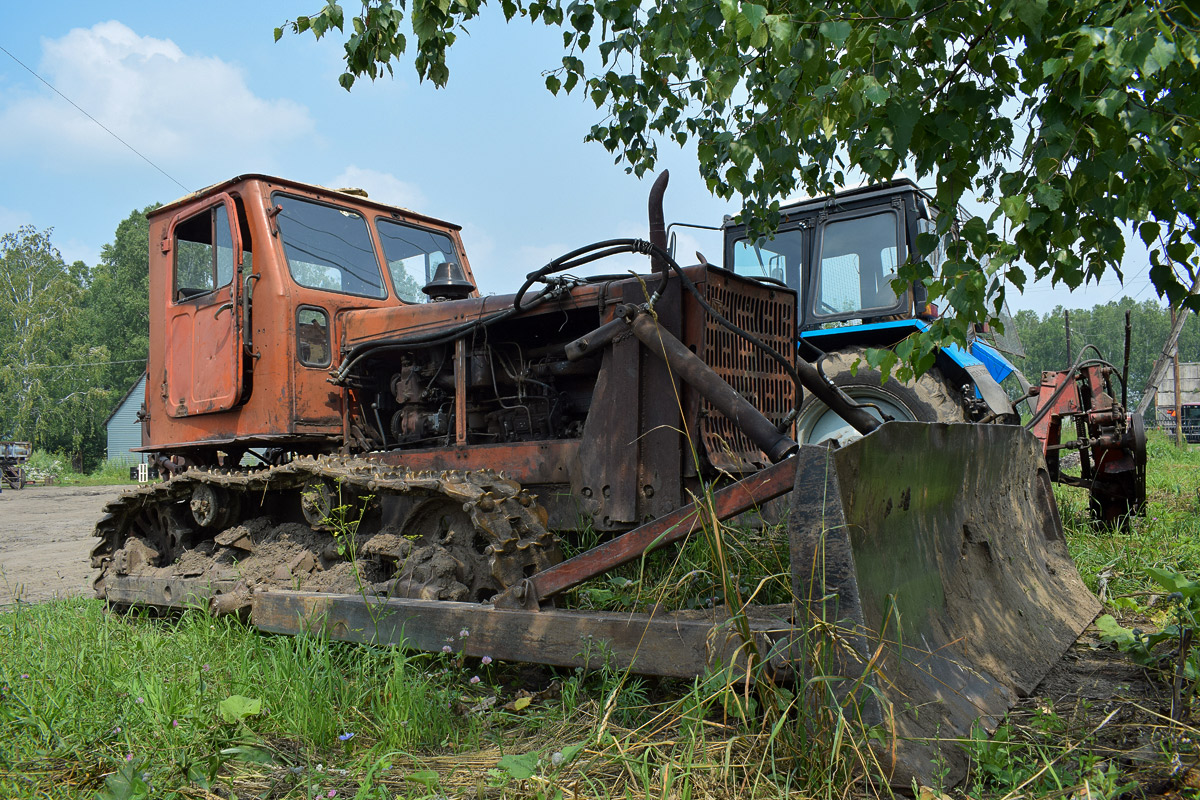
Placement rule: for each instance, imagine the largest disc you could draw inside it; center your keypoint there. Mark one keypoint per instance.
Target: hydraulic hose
(579, 257)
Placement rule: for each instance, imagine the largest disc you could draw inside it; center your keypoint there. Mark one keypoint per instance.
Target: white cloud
(688, 243)
(382, 187)
(71, 249)
(535, 256)
(531, 257)
(170, 106)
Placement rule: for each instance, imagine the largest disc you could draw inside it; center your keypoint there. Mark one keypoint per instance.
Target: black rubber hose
(565, 262)
(575, 258)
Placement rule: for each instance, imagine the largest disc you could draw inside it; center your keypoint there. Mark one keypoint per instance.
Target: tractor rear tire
(928, 398)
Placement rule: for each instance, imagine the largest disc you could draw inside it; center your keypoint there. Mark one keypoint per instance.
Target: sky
(202, 93)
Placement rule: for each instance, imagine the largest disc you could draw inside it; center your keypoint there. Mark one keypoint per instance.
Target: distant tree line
(73, 338)
(1044, 338)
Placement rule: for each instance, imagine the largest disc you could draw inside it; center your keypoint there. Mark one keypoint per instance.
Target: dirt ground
(45, 538)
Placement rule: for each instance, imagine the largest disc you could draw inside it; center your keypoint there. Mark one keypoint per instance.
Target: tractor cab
(841, 254)
(250, 283)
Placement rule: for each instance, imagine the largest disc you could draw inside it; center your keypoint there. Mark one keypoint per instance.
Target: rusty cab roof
(341, 195)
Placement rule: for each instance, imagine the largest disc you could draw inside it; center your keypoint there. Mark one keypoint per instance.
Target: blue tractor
(841, 254)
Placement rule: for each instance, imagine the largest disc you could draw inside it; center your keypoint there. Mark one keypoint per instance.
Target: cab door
(204, 341)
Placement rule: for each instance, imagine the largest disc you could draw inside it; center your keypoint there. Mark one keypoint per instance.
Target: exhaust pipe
(658, 224)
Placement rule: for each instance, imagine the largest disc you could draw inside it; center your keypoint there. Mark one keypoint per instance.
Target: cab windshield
(413, 255)
(328, 247)
(858, 262)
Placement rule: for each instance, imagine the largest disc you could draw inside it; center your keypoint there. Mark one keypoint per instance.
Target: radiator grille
(770, 315)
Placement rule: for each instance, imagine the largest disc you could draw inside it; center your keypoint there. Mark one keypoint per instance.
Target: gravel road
(45, 538)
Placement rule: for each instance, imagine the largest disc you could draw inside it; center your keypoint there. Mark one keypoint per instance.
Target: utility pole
(1067, 329)
(1178, 405)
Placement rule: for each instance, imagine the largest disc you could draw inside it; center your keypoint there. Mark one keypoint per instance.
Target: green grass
(1167, 537)
(85, 693)
(98, 703)
(57, 467)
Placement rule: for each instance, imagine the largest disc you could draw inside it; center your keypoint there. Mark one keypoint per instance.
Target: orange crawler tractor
(423, 454)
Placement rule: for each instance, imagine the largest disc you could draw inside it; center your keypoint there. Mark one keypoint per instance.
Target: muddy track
(335, 524)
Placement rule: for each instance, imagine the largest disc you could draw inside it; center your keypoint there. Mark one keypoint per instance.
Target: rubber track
(509, 516)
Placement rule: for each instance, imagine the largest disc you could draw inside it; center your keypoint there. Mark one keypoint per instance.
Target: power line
(82, 365)
(93, 119)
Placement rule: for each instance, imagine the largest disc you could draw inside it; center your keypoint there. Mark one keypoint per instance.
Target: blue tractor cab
(841, 253)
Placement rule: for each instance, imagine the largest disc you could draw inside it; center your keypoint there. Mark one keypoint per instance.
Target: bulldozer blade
(931, 563)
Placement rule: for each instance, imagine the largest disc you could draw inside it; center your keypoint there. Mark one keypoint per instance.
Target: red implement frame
(1110, 440)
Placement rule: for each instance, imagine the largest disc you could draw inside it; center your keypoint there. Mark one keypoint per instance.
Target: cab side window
(204, 258)
(312, 337)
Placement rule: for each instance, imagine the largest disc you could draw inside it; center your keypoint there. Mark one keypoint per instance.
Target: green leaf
(426, 777)
(237, 707)
(553, 83)
(520, 767)
(1111, 631)
(903, 113)
(1149, 232)
(1173, 581)
(249, 754)
(781, 29)
(125, 784)
(1048, 195)
(760, 37)
(1015, 208)
(569, 752)
(204, 772)
(336, 18)
(278, 34)
(1160, 57)
(754, 14)
(874, 91)
(1031, 13)
(836, 32)
(1109, 103)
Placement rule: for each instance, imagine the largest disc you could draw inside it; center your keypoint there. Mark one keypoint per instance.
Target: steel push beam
(652, 644)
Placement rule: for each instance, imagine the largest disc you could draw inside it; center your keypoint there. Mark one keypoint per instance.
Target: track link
(331, 523)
